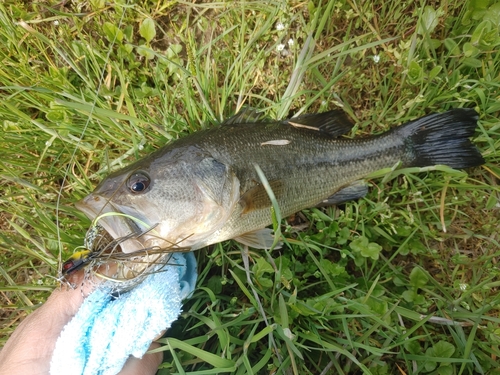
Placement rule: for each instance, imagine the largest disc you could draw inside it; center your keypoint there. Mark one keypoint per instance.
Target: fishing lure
(77, 261)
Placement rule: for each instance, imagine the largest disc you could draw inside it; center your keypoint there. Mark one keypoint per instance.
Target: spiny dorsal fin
(247, 115)
(257, 198)
(334, 123)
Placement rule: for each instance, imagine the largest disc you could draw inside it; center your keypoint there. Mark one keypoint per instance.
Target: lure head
(76, 262)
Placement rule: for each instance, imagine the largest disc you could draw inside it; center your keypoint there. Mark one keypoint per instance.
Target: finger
(147, 365)
(30, 347)
(66, 298)
(70, 296)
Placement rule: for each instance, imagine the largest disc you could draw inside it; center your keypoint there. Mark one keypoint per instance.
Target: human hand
(29, 349)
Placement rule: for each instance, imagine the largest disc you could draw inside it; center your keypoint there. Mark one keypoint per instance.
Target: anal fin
(349, 193)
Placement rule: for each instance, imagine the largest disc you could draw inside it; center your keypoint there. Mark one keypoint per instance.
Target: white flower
(290, 42)
(376, 58)
(280, 47)
(56, 23)
(280, 26)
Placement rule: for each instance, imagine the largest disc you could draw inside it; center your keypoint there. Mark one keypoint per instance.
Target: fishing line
(79, 140)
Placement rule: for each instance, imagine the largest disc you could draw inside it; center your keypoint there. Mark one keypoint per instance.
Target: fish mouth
(128, 230)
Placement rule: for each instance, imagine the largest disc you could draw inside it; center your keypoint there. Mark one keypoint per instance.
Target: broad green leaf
(112, 32)
(215, 284)
(56, 116)
(443, 349)
(147, 29)
(174, 50)
(409, 295)
(430, 365)
(470, 50)
(418, 278)
(365, 248)
(265, 282)
(128, 31)
(372, 250)
(476, 5)
(418, 299)
(429, 20)
(440, 350)
(359, 244)
(146, 52)
(261, 267)
(333, 269)
(485, 36)
(377, 305)
(413, 347)
(493, 14)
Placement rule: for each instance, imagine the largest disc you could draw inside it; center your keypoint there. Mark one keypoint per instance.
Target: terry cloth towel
(107, 330)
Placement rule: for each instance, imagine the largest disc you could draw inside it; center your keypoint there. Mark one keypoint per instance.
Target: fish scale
(335, 162)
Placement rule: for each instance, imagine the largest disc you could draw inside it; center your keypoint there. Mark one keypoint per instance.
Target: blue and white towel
(107, 330)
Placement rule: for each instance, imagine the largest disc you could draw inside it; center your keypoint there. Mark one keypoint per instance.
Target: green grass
(403, 281)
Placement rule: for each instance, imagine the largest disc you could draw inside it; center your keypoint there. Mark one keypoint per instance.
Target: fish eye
(138, 182)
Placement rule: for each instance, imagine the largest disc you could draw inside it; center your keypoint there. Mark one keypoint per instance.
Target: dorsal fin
(334, 123)
(247, 115)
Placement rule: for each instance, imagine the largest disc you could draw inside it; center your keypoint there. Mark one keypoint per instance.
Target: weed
(404, 280)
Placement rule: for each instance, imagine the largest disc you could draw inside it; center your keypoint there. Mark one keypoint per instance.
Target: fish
(204, 188)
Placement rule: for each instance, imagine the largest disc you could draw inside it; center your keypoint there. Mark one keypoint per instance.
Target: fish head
(166, 201)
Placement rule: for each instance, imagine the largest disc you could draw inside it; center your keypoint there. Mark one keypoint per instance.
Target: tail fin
(443, 138)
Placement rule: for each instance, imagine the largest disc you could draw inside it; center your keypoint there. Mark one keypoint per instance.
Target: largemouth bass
(204, 188)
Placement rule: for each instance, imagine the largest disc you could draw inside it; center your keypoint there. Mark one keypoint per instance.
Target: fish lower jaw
(135, 234)
(152, 244)
(131, 246)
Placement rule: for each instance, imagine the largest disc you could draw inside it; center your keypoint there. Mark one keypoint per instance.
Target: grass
(403, 281)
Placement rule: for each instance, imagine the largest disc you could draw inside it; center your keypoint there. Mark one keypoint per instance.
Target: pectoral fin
(349, 193)
(257, 198)
(259, 239)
